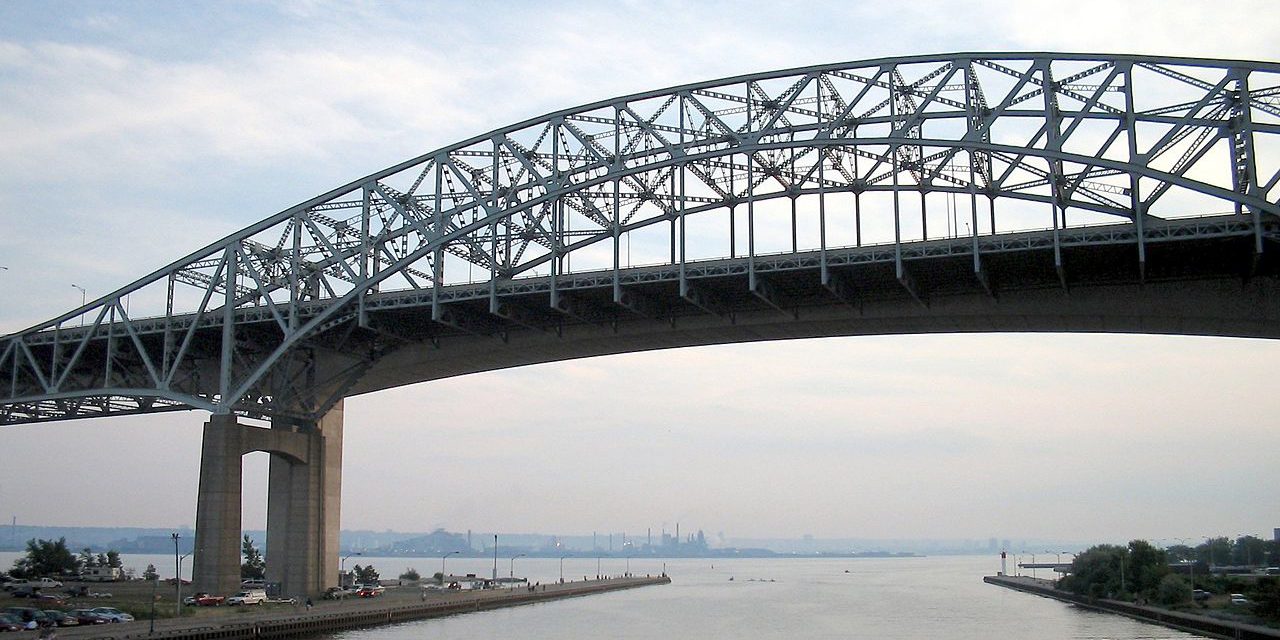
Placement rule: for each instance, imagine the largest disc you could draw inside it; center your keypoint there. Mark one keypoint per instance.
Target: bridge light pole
(442, 574)
(562, 568)
(82, 301)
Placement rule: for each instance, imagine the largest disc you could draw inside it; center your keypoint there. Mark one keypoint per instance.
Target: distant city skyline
(136, 132)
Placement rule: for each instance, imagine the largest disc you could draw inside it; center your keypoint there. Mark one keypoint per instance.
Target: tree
(113, 559)
(410, 574)
(1266, 598)
(86, 559)
(45, 558)
(1173, 590)
(1109, 571)
(254, 566)
(1096, 572)
(1147, 566)
(1249, 550)
(151, 573)
(365, 575)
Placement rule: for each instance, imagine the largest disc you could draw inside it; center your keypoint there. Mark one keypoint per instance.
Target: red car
(370, 591)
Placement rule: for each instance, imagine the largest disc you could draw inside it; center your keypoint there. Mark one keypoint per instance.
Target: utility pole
(495, 557)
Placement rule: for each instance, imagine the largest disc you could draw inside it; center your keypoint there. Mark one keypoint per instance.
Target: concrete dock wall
(302, 623)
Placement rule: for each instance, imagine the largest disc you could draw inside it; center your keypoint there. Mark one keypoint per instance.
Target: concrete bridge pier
(303, 509)
(303, 503)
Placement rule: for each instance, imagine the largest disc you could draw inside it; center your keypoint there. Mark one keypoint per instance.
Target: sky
(134, 132)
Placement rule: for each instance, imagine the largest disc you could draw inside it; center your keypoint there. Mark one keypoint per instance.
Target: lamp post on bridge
(562, 568)
(82, 301)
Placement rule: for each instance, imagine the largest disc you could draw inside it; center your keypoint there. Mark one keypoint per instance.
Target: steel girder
(257, 322)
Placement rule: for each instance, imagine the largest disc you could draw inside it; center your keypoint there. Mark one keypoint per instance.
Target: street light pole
(562, 568)
(342, 566)
(513, 568)
(177, 571)
(442, 573)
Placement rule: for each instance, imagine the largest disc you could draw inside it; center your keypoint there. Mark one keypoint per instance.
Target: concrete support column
(216, 568)
(303, 510)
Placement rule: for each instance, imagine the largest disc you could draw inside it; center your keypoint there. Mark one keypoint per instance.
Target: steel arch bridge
(963, 192)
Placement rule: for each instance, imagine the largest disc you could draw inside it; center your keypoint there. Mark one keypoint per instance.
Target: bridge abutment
(303, 503)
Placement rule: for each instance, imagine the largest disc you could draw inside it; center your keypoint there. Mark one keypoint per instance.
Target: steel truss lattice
(551, 204)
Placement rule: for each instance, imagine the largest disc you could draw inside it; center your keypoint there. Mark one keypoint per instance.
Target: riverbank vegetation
(1182, 577)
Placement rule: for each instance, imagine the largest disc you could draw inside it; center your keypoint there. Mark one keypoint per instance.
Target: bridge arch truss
(888, 161)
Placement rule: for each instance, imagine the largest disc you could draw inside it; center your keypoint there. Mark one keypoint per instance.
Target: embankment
(1189, 622)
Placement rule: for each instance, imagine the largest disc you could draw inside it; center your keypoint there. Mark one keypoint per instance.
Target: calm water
(878, 598)
(924, 598)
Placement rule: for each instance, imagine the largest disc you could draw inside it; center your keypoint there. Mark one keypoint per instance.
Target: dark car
(62, 618)
(88, 616)
(26, 615)
(47, 600)
(9, 623)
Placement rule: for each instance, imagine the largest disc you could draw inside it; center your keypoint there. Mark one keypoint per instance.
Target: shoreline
(330, 616)
(1189, 622)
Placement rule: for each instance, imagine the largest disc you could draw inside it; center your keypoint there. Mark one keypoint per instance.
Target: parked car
(247, 597)
(1239, 599)
(370, 591)
(1200, 595)
(9, 623)
(113, 614)
(48, 600)
(89, 616)
(253, 583)
(40, 583)
(62, 618)
(30, 615)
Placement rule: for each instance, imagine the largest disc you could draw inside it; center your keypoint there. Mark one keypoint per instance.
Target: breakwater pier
(398, 605)
(1189, 622)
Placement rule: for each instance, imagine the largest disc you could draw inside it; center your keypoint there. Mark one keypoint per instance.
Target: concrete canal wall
(1189, 622)
(363, 613)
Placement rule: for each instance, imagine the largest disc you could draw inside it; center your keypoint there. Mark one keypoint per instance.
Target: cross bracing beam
(274, 320)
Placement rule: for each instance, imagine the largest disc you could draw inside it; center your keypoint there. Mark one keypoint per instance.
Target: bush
(1173, 590)
(410, 574)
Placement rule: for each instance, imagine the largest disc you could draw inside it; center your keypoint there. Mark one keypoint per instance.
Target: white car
(1238, 598)
(247, 597)
(113, 614)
